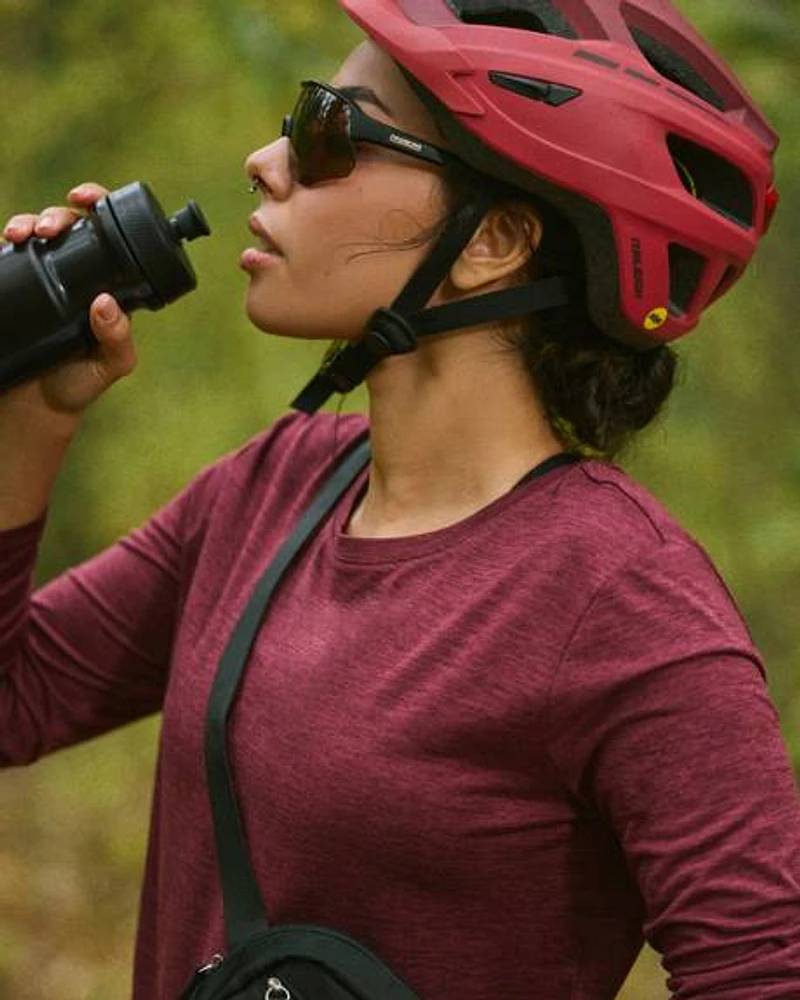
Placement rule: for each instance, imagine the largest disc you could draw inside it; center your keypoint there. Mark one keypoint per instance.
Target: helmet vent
(714, 181)
(686, 269)
(729, 279)
(541, 16)
(670, 64)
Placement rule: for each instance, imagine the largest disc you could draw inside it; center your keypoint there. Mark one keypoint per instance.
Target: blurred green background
(177, 94)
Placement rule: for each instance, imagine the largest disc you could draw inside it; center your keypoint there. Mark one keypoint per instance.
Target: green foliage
(177, 94)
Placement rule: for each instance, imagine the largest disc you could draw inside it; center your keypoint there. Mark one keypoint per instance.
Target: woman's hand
(73, 385)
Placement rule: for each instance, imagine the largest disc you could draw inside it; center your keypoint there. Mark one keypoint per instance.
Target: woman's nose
(269, 168)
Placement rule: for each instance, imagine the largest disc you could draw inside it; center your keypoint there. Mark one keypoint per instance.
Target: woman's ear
(502, 247)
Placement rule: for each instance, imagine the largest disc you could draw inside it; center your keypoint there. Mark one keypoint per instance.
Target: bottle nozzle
(189, 223)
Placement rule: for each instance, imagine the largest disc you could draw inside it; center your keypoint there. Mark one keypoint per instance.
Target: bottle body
(125, 246)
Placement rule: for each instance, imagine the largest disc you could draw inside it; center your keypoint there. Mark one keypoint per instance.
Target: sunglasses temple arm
(364, 130)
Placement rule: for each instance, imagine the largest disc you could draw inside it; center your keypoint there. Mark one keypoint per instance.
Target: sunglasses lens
(319, 136)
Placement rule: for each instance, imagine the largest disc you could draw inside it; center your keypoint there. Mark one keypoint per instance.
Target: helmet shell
(617, 113)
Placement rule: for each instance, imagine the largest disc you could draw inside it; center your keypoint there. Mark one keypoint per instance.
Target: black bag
(298, 963)
(288, 962)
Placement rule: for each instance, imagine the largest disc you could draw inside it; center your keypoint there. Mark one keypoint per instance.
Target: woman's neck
(452, 430)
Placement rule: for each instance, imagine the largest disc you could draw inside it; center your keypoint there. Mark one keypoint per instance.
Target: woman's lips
(253, 259)
(266, 254)
(268, 244)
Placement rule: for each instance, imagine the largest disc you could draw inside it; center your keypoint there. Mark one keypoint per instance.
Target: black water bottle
(125, 245)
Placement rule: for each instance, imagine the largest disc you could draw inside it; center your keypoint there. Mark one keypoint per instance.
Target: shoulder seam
(619, 489)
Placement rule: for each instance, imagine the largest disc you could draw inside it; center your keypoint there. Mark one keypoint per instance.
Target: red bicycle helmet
(617, 113)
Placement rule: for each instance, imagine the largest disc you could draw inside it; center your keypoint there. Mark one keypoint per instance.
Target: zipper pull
(276, 990)
(213, 963)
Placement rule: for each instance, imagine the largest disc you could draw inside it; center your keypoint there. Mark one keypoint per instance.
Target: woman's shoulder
(297, 442)
(280, 467)
(609, 530)
(295, 445)
(605, 505)
(635, 554)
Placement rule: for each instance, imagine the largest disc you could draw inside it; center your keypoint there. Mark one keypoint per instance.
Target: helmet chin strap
(395, 330)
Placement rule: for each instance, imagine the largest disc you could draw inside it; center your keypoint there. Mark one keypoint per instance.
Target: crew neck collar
(536, 487)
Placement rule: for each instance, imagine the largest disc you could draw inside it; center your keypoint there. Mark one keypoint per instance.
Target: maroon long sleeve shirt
(499, 754)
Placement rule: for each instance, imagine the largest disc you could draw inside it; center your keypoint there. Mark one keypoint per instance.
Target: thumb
(116, 354)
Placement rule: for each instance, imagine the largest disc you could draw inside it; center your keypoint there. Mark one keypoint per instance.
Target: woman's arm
(39, 419)
(662, 722)
(33, 444)
(89, 651)
(70, 662)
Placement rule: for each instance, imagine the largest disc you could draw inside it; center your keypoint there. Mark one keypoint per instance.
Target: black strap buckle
(348, 366)
(389, 333)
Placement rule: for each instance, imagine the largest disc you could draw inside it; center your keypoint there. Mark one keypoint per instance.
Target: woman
(503, 720)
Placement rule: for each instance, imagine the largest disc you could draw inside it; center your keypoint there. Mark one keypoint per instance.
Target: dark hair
(597, 392)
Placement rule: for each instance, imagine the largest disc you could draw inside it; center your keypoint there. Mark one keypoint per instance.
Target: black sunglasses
(325, 127)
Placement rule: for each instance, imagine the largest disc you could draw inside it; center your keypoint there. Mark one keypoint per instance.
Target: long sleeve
(90, 651)
(662, 722)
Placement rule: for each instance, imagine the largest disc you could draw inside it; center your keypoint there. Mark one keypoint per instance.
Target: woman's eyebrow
(364, 94)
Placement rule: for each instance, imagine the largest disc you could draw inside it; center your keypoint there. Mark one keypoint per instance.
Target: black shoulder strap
(243, 906)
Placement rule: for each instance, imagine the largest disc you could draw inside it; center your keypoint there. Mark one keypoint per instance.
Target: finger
(54, 220)
(116, 355)
(86, 194)
(20, 227)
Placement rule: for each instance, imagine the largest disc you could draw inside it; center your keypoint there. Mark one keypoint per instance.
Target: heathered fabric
(498, 753)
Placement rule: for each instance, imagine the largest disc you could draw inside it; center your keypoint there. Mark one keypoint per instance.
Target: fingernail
(109, 309)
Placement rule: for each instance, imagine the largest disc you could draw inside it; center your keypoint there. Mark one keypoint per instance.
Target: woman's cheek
(326, 308)
(342, 266)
